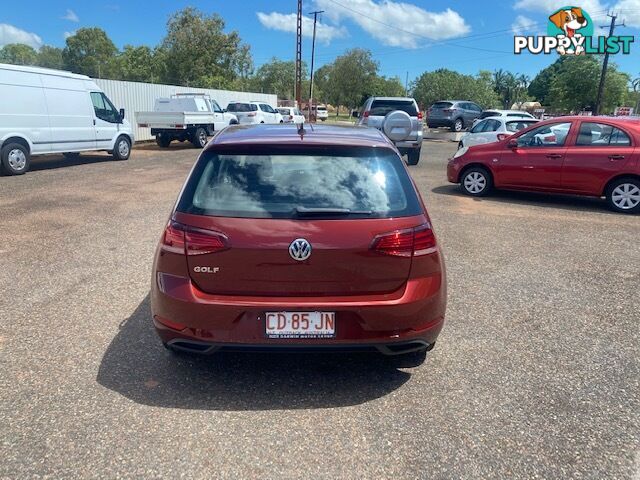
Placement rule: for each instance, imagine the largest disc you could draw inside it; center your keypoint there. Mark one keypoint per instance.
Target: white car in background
(291, 115)
(493, 129)
(249, 113)
(321, 112)
(502, 113)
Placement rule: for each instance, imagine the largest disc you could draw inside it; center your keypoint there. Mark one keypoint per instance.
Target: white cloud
(287, 23)
(408, 25)
(71, 16)
(69, 34)
(523, 25)
(629, 11)
(11, 34)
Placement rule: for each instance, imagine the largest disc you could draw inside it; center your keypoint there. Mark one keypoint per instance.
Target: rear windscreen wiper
(309, 212)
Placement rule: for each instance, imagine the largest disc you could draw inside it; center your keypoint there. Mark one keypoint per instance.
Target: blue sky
(405, 36)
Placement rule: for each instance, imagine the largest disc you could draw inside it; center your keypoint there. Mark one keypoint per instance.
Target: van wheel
(15, 159)
(71, 155)
(122, 149)
(199, 138)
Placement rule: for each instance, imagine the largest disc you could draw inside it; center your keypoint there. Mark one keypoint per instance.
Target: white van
(50, 111)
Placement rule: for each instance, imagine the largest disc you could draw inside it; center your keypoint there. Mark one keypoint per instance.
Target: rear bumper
(184, 315)
(439, 122)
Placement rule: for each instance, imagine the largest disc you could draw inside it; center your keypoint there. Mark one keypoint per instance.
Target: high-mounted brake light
(182, 239)
(408, 242)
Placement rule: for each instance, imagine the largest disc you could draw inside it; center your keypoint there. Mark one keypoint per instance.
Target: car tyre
(458, 125)
(14, 159)
(476, 181)
(199, 138)
(413, 156)
(163, 142)
(623, 195)
(122, 148)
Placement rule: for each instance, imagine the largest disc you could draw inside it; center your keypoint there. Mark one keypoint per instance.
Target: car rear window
(441, 105)
(490, 113)
(284, 111)
(241, 107)
(382, 107)
(276, 183)
(320, 109)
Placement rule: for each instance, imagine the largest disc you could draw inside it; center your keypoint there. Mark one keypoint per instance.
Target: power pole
(605, 63)
(406, 85)
(313, 53)
(299, 56)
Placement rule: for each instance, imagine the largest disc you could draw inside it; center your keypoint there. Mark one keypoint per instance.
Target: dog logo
(570, 31)
(570, 23)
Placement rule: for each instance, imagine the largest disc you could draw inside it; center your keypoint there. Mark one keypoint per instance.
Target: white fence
(140, 97)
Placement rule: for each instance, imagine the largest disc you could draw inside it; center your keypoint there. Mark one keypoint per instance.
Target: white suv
(254, 112)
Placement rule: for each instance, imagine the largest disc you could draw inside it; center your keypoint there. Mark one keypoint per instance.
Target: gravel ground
(536, 374)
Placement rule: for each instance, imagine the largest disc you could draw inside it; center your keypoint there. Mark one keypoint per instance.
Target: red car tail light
(406, 243)
(419, 115)
(503, 136)
(365, 114)
(182, 239)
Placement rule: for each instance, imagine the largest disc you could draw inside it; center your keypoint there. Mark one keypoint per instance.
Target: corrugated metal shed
(140, 97)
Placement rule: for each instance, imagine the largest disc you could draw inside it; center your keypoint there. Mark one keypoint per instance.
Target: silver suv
(399, 118)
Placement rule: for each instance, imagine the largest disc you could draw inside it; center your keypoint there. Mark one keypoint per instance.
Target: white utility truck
(185, 116)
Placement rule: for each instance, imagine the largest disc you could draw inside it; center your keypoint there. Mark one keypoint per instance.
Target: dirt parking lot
(536, 374)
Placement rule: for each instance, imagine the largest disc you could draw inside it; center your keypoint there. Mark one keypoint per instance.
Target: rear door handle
(616, 157)
(554, 155)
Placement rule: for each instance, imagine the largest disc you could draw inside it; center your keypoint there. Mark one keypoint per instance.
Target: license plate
(300, 324)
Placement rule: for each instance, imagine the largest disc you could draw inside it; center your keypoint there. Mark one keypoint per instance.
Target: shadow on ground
(139, 368)
(547, 200)
(48, 162)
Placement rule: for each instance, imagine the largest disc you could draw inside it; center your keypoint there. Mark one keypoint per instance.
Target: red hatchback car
(306, 239)
(595, 156)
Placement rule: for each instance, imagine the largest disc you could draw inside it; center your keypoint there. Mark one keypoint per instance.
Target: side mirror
(224, 110)
(513, 143)
(121, 114)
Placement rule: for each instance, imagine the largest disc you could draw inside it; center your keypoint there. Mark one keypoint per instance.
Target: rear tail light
(419, 115)
(449, 110)
(177, 125)
(182, 239)
(252, 114)
(503, 136)
(365, 114)
(143, 125)
(409, 242)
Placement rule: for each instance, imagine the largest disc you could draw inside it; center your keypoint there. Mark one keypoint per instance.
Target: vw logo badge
(300, 249)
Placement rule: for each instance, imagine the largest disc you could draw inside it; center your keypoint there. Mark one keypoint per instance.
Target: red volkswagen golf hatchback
(314, 239)
(596, 156)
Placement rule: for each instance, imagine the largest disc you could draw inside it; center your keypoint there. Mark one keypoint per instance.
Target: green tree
(351, 77)
(18, 54)
(137, 64)
(540, 86)
(50, 57)
(321, 83)
(279, 77)
(386, 87)
(198, 52)
(444, 84)
(575, 85)
(91, 52)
